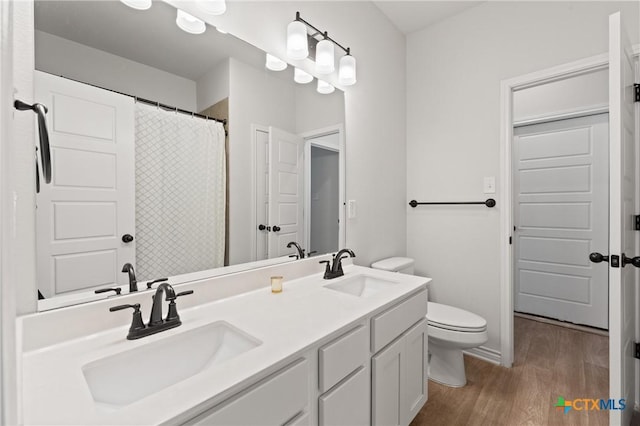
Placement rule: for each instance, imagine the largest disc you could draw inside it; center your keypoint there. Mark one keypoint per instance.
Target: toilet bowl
(450, 331)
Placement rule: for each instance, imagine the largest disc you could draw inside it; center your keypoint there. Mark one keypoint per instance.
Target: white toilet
(450, 331)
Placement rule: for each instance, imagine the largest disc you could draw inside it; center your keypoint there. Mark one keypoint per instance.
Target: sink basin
(129, 376)
(361, 285)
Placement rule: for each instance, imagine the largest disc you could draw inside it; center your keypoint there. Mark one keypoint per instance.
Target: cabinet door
(414, 370)
(387, 382)
(347, 403)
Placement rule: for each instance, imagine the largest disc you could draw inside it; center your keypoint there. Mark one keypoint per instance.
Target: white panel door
(622, 237)
(82, 216)
(561, 215)
(415, 372)
(386, 385)
(286, 186)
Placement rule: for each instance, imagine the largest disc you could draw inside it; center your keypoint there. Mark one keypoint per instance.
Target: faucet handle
(327, 269)
(172, 313)
(159, 280)
(117, 290)
(137, 323)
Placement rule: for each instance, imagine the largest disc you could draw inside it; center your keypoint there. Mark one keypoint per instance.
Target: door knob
(262, 227)
(597, 257)
(127, 238)
(635, 261)
(276, 228)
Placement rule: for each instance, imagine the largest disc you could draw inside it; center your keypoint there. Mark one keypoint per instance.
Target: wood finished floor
(550, 361)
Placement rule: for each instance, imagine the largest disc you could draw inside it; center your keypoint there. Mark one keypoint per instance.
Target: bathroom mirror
(197, 211)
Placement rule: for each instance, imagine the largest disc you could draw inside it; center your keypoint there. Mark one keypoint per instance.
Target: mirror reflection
(180, 155)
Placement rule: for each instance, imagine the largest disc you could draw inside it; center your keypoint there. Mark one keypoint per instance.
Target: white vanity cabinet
(345, 380)
(399, 366)
(281, 398)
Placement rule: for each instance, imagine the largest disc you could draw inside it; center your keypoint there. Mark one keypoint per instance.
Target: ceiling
(410, 16)
(150, 37)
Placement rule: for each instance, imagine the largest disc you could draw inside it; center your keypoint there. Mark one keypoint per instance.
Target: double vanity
(348, 350)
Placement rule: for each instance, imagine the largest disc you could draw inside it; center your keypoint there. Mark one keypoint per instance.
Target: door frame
(340, 149)
(507, 87)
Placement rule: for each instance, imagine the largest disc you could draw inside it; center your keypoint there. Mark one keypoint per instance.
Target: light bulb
(324, 87)
(213, 7)
(138, 4)
(347, 70)
(190, 23)
(325, 63)
(297, 44)
(275, 64)
(302, 77)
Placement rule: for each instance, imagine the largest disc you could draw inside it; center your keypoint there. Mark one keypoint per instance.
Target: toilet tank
(395, 264)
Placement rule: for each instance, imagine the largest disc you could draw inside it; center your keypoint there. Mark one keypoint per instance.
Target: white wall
(324, 214)
(374, 107)
(315, 111)
(66, 58)
(213, 86)
(255, 97)
(454, 71)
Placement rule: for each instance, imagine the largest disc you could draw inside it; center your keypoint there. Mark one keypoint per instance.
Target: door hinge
(637, 350)
(614, 261)
(636, 87)
(510, 240)
(637, 222)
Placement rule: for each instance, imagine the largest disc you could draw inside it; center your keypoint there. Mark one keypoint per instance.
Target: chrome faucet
(156, 324)
(335, 270)
(133, 283)
(300, 254)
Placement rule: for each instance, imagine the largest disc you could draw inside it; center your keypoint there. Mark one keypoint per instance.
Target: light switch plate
(490, 185)
(352, 209)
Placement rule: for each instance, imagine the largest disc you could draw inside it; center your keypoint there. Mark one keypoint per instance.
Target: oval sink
(361, 285)
(129, 376)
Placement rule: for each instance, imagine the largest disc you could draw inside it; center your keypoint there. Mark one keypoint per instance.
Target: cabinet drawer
(349, 403)
(273, 401)
(342, 356)
(390, 324)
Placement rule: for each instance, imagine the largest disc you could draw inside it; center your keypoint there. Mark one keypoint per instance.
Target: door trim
(507, 87)
(308, 142)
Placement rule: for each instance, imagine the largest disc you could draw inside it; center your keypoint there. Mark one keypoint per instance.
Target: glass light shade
(302, 77)
(325, 63)
(297, 44)
(347, 70)
(138, 4)
(213, 7)
(275, 64)
(190, 23)
(325, 88)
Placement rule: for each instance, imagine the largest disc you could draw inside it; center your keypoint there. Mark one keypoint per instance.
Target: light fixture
(213, 7)
(347, 70)
(325, 61)
(138, 4)
(190, 23)
(301, 76)
(275, 64)
(324, 87)
(297, 44)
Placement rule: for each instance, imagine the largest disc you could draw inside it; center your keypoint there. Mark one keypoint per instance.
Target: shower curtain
(180, 193)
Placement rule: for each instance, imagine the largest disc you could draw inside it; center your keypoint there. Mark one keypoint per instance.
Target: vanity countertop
(55, 391)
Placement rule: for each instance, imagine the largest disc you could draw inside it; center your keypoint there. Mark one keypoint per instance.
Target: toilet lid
(450, 318)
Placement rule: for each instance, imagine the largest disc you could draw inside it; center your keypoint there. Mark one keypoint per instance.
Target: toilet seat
(449, 318)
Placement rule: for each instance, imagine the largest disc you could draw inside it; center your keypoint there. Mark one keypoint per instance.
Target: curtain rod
(147, 101)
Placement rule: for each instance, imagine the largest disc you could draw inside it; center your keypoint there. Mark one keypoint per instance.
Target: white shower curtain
(180, 193)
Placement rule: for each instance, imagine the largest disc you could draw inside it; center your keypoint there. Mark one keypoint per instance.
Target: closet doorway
(561, 201)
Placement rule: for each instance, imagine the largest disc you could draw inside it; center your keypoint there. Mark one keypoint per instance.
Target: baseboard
(485, 354)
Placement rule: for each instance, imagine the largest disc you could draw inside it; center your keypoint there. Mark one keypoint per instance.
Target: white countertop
(288, 323)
